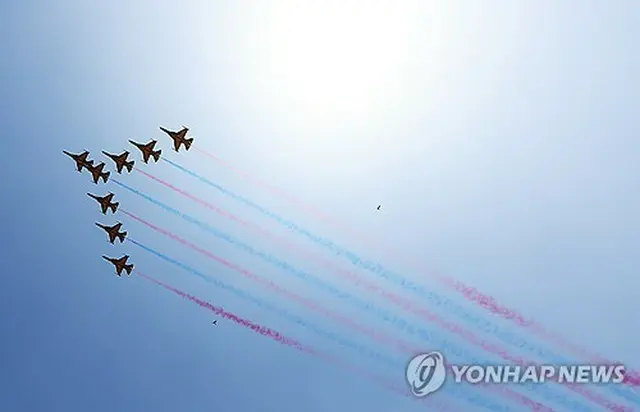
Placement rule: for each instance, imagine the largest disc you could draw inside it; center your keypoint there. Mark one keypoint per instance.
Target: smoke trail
(379, 337)
(280, 338)
(378, 269)
(385, 315)
(293, 318)
(262, 330)
(268, 283)
(478, 400)
(484, 301)
(394, 298)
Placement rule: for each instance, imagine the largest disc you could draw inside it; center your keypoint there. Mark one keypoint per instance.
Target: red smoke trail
(280, 338)
(632, 377)
(310, 304)
(262, 330)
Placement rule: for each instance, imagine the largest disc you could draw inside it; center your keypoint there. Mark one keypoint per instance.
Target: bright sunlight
(340, 57)
(339, 79)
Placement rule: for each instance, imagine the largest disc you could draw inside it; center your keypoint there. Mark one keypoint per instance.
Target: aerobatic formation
(121, 161)
(424, 304)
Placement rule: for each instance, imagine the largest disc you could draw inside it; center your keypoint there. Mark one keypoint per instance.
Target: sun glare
(336, 56)
(334, 79)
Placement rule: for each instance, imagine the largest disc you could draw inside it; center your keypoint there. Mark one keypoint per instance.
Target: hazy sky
(500, 138)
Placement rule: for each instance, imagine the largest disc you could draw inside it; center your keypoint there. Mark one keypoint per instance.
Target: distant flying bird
(105, 202)
(120, 161)
(179, 138)
(113, 232)
(215, 322)
(379, 206)
(97, 173)
(147, 150)
(120, 264)
(80, 159)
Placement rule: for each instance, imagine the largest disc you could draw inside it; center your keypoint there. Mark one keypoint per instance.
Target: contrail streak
(489, 303)
(385, 315)
(294, 297)
(477, 399)
(308, 303)
(378, 269)
(484, 301)
(280, 338)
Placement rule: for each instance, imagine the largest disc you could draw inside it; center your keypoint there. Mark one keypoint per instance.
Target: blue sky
(501, 140)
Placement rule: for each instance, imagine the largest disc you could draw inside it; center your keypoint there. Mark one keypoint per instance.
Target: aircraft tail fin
(122, 236)
(156, 155)
(129, 166)
(187, 143)
(128, 269)
(114, 206)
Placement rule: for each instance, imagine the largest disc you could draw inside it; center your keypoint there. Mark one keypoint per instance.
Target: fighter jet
(215, 322)
(120, 161)
(120, 264)
(147, 150)
(113, 232)
(105, 202)
(179, 138)
(80, 159)
(97, 173)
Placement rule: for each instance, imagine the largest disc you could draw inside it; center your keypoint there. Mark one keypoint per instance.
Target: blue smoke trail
(476, 321)
(398, 322)
(391, 362)
(476, 399)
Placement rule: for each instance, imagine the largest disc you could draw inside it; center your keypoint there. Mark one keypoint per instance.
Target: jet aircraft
(80, 159)
(105, 202)
(97, 173)
(113, 232)
(120, 161)
(147, 150)
(120, 264)
(179, 138)
(379, 206)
